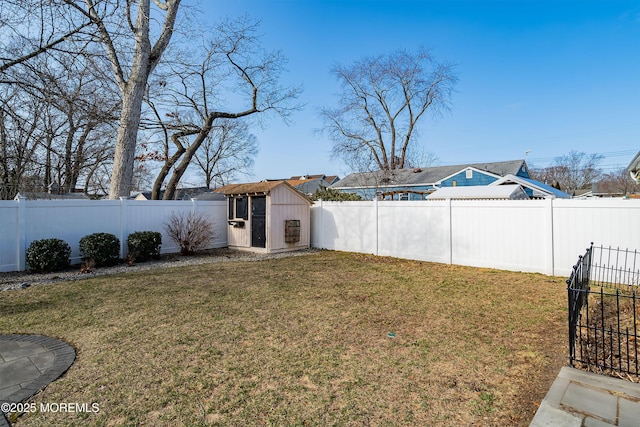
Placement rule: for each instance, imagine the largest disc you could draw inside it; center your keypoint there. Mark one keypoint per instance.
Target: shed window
(239, 208)
(469, 174)
(242, 208)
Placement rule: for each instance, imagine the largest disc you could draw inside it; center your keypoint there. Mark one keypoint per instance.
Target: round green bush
(48, 255)
(102, 248)
(144, 245)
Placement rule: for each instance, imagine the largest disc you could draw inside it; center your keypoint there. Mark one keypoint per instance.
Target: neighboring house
(634, 168)
(211, 196)
(33, 195)
(417, 183)
(267, 217)
(534, 189)
(583, 193)
(54, 192)
(503, 192)
(180, 194)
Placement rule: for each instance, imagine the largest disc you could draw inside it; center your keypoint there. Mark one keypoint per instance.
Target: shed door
(259, 221)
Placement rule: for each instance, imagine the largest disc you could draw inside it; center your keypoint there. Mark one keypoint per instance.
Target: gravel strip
(23, 280)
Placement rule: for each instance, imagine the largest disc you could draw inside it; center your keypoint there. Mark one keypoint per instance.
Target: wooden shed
(267, 217)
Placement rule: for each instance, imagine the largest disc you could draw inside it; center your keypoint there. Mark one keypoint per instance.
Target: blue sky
(545, 76)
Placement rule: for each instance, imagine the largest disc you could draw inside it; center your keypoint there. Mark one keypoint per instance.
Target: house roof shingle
(423, 176)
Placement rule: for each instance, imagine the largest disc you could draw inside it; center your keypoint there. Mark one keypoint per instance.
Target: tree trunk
(122, 174)
(145, 59)
(162, 175)
(170, 191)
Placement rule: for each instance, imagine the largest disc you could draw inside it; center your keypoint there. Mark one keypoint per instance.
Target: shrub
(48, 255)
(144, 245)
(190, 231)
(102, 248)
(333, 195)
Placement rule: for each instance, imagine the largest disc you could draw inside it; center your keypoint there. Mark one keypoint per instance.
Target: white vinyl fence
(24, 221)
(544, 236)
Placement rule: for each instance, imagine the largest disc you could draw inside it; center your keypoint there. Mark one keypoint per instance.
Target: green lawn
(328, 338)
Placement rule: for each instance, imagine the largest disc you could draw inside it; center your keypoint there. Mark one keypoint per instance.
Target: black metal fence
(603, 312)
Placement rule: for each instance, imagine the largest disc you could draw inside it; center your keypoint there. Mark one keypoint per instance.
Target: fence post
(123, 225)
(377, 219)
(21, 246)
(550, 244)
(450, 230)
(320, 226)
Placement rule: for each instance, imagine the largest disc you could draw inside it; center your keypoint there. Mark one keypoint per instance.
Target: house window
(469, 174)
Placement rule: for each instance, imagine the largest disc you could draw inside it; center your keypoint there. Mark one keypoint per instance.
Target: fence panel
(70, 220)
(9, 235)
(503, 234)
(345, 226)
(150, 215)
(530, 235)
(576, 223)
(24, 221)
(414, 230)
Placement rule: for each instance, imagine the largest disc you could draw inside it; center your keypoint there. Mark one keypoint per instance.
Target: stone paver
(579, 398)
(28, 363)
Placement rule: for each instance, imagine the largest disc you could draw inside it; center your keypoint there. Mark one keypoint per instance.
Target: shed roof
(253, 188)
(512, 191)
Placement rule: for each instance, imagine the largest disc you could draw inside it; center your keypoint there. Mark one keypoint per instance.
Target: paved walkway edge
(577, 398)
(64, 356)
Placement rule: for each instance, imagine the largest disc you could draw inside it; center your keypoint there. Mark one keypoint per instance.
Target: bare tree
(383, 99)
(573, 171)
(233, 70)
(227, 152)
(30, 28)
(20, 137)
(617, 182)
(133, 36)
(82, 111)
(133, 57)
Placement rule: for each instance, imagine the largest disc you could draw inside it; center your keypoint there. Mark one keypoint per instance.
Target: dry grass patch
(300, 341)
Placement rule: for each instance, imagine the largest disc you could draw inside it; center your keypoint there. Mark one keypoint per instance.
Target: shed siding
(240, 237)
(280, 213)
(283, 205)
